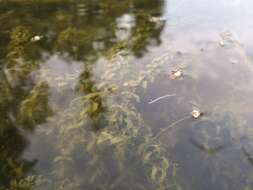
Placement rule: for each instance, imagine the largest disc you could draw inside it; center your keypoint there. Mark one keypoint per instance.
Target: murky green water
(88, 100)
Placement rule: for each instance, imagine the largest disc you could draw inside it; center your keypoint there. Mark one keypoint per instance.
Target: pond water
(89, 98)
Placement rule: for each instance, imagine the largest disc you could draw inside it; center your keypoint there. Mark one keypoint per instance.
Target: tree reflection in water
(84, 30)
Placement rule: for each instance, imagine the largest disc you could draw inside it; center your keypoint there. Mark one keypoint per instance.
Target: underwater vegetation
(87, 102)
(120, 154)
(100, 139)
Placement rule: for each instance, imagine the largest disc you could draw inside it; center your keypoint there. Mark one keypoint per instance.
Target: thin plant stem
(160, 98)
(159, 134)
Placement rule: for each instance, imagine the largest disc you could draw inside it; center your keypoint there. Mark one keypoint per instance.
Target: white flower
(222, 43)
(36, 38)
(196, 113)
(157, 19)
(176, 74)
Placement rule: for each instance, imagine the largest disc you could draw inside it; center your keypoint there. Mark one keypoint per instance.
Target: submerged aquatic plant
(34, 109)
(122, 153)
(27, 183)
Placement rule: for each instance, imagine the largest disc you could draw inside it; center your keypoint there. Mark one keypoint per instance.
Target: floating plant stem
(162, 97)
(159, 134)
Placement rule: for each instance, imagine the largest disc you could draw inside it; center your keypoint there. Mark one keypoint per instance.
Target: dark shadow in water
(209, 150)
(247, 155)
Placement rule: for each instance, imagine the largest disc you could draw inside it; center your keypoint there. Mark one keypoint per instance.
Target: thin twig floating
(170, 126)
(160, 98)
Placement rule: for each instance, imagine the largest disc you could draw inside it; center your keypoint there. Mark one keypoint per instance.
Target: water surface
(77, 83)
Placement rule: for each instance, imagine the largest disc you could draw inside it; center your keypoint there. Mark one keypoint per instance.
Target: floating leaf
(196, 113)
(176, 74)
(36, 38)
